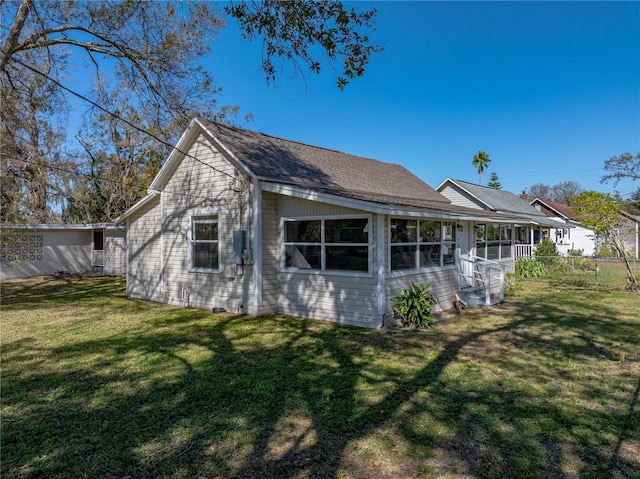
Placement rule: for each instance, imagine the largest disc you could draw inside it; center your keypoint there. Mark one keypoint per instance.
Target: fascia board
(546, 205)
(175, 157)
(226, 151)
(46, 226)
(289, 190)
(151, 196)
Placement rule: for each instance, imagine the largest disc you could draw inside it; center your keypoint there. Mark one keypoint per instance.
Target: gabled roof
(630, 216)
(320, 174)
(283, 161)
(561, 209)
(497, 200)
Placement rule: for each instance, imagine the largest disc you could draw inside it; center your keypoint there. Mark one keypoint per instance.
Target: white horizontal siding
(205, 184)
(115, 250)
(289, 206)
(144, 254)
(441, 281)
(270, 252)
(339, 299)
(460, 198)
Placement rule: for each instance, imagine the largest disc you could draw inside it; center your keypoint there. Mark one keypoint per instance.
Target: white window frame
(500, 241)
(193, 215)
(417, 243)
(323, 244)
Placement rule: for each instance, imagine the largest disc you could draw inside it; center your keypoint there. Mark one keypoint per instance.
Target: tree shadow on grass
(191, 395)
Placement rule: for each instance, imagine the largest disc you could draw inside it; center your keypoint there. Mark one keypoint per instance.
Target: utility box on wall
(238, 245)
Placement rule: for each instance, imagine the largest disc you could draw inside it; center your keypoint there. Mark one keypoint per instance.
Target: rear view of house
(250, 223)
(44, 249)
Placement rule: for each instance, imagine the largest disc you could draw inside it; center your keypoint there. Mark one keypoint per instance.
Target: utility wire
(108, 112)
(109, 180)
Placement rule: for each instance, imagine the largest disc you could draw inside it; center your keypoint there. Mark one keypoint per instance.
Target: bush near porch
(96, 385)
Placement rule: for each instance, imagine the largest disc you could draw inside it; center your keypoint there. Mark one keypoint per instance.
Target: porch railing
(486, 274)
(523, 251)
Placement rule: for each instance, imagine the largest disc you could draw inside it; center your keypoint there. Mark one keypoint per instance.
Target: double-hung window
(493, 241)
(417, 244)
(327, 244)
(204, 242)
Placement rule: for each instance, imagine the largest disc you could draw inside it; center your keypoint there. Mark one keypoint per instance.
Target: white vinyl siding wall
(115, 250)
(460, 198)
(348, 299)
(144, 255)
(201, 185)
(270, 253)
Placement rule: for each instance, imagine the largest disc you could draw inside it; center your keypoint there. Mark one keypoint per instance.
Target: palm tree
(481, 161)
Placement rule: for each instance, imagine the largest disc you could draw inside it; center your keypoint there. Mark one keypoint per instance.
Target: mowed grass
(97, 385)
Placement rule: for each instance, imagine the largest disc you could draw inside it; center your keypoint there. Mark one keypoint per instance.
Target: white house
(529, 228)
(44, 249)
(250, 223)
(568, 234)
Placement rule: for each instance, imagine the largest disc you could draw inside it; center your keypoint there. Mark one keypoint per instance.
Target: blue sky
(549, 89)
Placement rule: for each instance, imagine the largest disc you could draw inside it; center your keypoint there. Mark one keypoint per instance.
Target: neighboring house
(251, 223)
(569, 234)
(45, 249)
(530, 225)
(630, 234)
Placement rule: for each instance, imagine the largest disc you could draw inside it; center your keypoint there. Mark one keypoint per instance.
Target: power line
(108, 112)
(109, 180)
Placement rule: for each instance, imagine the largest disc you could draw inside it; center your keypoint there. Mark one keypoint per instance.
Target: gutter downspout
(257, 243)
(162, 246)
(382, 294)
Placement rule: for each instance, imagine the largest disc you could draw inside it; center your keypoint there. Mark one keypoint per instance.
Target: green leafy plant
(529, 268)
(509, 284)
(574, 252)
(414, 305)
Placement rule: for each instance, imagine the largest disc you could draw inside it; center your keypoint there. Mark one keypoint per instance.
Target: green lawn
(96, 385)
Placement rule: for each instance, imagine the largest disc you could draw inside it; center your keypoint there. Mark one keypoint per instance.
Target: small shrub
(606, 251)
(559, 266)
(509, 284)
(414, 305)
(574, 252)
(546, 248)
(529, 268)
(586, 264)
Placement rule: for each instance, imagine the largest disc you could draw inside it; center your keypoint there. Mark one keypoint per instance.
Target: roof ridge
(298, 142)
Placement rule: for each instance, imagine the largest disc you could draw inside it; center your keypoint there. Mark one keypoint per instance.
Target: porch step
(475, 297)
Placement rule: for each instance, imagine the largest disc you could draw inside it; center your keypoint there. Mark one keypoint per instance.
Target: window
(493, 241)
(204, 243)
(421, 244)
(340, 244)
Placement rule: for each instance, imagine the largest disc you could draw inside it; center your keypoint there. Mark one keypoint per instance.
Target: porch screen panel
(421, 243)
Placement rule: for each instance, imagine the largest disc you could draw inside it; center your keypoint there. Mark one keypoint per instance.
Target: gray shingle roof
(320, 169)
(500, 200)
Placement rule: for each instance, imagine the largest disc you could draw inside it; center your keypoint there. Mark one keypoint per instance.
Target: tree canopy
(563, 192)
(147, 60)
(624, 166)
(481, 161)
(494, 181)
(600, 212)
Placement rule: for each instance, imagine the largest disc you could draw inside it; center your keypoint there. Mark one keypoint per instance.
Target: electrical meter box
(239, 237)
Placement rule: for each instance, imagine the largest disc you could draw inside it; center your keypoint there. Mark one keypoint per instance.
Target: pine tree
(494, 182)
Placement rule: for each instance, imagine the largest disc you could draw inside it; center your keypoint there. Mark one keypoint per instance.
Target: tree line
(148, 80)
